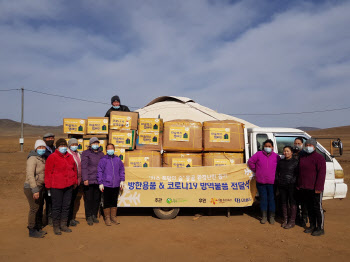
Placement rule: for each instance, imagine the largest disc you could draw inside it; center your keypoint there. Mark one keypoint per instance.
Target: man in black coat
(116, 106)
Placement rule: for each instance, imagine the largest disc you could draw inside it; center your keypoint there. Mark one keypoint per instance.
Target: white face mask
(268, 149)
(309, 149)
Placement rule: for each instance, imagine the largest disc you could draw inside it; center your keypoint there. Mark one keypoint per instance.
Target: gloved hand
(122, 185)
(101, 187)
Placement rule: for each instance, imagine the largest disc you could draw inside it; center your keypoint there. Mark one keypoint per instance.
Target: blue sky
(233, 56)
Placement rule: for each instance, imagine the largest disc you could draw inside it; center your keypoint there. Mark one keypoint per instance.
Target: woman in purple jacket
(92, 195)
(263, 164)
(111, 177)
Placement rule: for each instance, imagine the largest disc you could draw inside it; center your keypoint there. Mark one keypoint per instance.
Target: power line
(292, 113)
(13, 89)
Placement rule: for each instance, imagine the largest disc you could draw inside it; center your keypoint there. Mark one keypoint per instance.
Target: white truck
(170, 108)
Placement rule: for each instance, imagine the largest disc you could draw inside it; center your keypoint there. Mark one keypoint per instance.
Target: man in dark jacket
(116, 106)
(49, 139)
(312, 176)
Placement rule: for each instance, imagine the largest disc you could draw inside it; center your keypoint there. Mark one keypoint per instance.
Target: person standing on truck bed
(286, 177)
(312, 176)
(301, 217)
(263, 164)
(116, 106)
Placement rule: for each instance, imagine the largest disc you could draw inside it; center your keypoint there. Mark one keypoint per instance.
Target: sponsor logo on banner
(218, 135)
(175, 200)
(179, 134)
(181, 162)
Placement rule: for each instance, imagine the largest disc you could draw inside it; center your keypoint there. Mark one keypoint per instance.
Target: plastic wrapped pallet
(97, 125)
(182, 160)
(223, 136)
(122, 138)
(222, 159)
(74, 126)
(120, 120)
(142, 158)
(182, 136)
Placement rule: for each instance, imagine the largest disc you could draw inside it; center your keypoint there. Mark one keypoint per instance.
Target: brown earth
(142, 237)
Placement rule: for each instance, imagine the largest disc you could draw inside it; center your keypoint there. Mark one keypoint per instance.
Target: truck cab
(255, 137)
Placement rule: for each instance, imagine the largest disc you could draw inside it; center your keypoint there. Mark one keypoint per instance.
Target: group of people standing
(56, 174)
(298, 178)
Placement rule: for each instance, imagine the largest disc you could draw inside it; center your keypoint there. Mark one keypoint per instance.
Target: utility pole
(21, 140)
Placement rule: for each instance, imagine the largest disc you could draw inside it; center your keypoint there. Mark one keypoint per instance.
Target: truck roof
(275, 130)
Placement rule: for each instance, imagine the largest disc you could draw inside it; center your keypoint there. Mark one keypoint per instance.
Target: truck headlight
(339, 173)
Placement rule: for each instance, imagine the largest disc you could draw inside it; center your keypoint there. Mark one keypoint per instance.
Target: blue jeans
(267, 197)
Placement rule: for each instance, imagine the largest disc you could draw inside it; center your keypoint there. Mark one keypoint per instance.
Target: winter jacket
(35, 174)
(122, 108)
(89, 163)
(312, 171)
(287, 171)
(110, 171)
(60, 171)
(264, 166)
(49, 151)
(77, 158)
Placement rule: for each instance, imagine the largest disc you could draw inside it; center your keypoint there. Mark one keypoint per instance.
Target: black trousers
(48, 204)
(61, 199)
(75, 202)
(313, 203)
(92, 199)
(287, 193)
(110, 197)
(301, 205)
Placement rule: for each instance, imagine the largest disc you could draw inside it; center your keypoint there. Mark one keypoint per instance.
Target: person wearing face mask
(286, 176)
(73, 150)
(312, 176)
(49, 139)
(60, 179)
(34, 188)
(116, 106)
(111, 177)
(263, 164)
(298, 147)
(92, 195)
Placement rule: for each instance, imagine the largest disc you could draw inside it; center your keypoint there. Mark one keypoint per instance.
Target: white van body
(254, 137)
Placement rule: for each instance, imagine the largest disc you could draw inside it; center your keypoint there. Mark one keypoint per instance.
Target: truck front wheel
(166, 212)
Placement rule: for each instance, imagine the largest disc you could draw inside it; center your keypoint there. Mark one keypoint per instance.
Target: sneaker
(318, 232)
(309, 230)
(34, 233)
(95, 220)
(72, 223)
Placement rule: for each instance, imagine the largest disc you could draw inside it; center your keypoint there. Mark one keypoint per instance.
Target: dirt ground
(142, 237)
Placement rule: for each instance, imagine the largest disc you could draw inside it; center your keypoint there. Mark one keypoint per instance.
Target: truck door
(329, 187)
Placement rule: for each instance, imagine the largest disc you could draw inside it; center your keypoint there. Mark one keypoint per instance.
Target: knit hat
(39, 143)
(311, 141)
(48, 135)
(93, 140)
(72, 141)
(115, 98)
(61, 142)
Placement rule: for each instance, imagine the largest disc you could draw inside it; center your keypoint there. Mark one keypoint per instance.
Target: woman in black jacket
(286, 177)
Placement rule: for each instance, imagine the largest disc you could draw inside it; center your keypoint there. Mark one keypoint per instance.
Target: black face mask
(50, 143)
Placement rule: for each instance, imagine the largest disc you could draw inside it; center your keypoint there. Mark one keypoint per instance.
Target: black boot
(35, 233)
(89, 221)
(263, 217)
(56, 228)
(285, 215)
(95, 220)
(72, 223)
(64, 227)
(318, 232)
(39, 229)
(293, 213)
(310, 229)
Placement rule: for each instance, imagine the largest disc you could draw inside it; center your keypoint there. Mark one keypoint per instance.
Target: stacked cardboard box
(75, 126)
(123, 126)
(222, 159)
(141, 158)
(150, 134)
(97, 125)
(182, 136)
(182, 159)
(223, 136)
(120, 152)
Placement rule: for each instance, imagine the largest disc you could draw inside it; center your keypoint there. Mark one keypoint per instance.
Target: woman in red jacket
(60, 179)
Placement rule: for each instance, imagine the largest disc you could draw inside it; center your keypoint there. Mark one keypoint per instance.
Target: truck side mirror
(338, 144)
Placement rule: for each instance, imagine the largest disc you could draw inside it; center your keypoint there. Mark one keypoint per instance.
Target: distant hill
(10, 127)
(308, 128)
